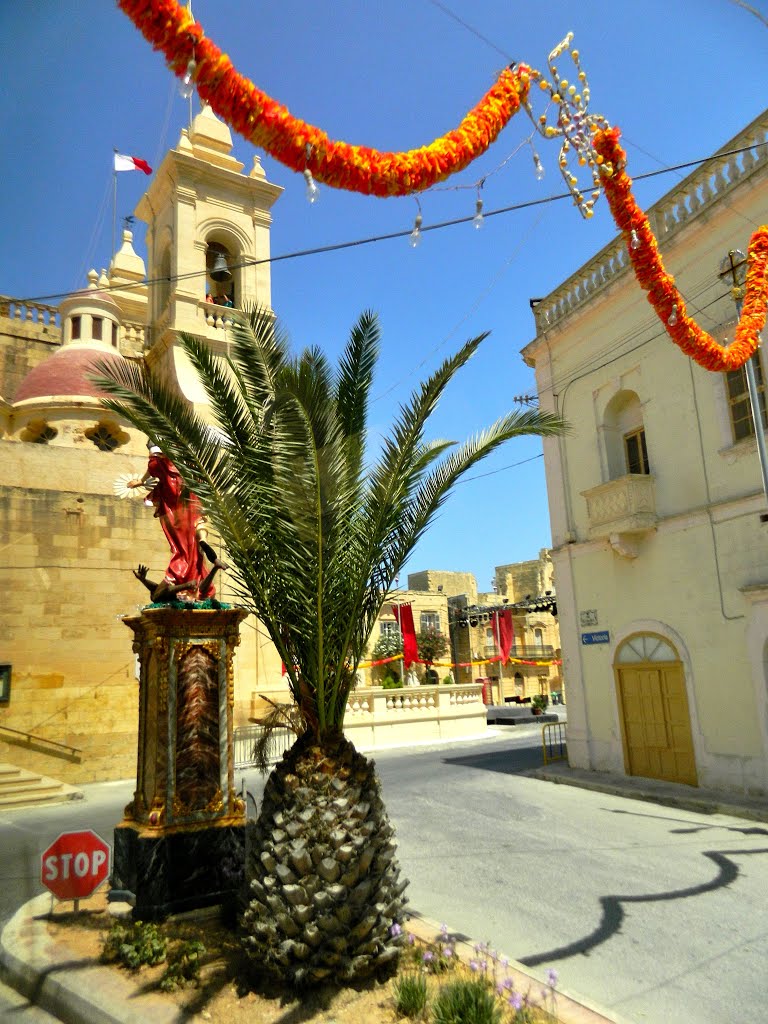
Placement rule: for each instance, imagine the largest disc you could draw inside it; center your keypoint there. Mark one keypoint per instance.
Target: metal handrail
(553, 742)
(31, 738)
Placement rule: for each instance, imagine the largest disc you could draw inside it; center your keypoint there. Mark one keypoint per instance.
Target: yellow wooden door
(656, 725)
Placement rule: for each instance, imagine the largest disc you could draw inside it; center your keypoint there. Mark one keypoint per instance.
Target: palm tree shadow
(613, 912)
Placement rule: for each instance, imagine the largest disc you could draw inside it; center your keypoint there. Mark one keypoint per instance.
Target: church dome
(66, 375)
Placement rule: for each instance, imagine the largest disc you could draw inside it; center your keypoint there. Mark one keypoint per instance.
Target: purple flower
(515, 1001)
(411, 938)
(507, 984)
(551, 977)
(448, 951)
(428, 957)
(443, 929)
(505, 961)
(473, 965)
(395, 930)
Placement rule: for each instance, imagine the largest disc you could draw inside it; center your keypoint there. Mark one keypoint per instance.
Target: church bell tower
(208, 247)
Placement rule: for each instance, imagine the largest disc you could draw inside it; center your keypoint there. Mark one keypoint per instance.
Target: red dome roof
(66, 373)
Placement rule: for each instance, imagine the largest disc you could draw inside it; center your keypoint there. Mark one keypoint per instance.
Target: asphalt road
(656, 914)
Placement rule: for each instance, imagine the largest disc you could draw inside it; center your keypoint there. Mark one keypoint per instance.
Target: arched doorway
(653, 710)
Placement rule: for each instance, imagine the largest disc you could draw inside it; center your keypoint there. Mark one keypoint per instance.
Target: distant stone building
(527, 588)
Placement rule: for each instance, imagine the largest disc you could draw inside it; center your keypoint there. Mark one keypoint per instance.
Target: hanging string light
(414, 239)
(187, 83)
(478, 220)
(537, 164)
(312, 191)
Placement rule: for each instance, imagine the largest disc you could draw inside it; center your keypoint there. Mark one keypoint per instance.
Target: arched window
(624, 433)
(645, 647)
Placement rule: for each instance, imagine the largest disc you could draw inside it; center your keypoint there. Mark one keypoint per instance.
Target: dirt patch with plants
(196, 963)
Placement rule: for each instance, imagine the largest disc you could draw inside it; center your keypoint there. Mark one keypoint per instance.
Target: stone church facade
(68, 706)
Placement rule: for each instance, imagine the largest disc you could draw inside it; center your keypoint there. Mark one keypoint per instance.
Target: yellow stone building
(450, 603)
(657, 510)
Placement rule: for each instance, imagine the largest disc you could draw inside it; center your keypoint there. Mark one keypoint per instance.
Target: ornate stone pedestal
(181, 842)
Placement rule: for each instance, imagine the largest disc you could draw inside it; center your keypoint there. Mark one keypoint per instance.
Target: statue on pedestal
(185, 529)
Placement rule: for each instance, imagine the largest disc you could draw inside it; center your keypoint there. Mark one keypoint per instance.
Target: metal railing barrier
(246, 736)
(553, 742)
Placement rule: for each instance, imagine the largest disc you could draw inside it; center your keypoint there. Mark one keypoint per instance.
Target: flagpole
(114, 207)
(501, 657)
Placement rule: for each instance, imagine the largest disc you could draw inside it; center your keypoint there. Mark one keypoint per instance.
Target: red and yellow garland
(270, 126)
(662, 294)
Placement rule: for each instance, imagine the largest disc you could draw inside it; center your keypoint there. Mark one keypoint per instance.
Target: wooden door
(656, 725)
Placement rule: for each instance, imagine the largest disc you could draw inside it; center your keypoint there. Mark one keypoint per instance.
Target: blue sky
(680, 77)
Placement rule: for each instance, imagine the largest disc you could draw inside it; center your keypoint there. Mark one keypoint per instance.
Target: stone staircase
(20, 788)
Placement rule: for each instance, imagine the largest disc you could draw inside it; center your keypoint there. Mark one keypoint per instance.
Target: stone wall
(23, 346)
(69, 549)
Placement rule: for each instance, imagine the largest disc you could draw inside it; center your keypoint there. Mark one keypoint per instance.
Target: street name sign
(601, 637)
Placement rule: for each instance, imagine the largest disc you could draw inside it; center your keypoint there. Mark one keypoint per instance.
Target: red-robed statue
(184, 526)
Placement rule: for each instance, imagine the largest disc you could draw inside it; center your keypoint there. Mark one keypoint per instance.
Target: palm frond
(314, 539)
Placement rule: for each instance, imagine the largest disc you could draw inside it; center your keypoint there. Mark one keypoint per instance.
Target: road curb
(668, 794)
(77, 992)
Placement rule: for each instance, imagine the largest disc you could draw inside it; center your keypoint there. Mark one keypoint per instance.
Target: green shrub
(392, 683)
(411, 995)
(466, 1002)
(183, 966)
(134, 945)
(540, 700)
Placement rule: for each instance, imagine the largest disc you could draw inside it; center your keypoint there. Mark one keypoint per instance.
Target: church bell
(220, 270)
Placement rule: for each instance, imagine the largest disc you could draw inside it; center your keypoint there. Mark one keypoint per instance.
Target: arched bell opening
(221, 278)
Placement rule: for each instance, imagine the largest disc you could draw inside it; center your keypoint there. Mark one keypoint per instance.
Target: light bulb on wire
(187, 84)
(478, 220)
(673, 316)
(313, 191)
(414, 238)
(538, 166)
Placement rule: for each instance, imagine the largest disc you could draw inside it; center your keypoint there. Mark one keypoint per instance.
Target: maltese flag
(131, 163)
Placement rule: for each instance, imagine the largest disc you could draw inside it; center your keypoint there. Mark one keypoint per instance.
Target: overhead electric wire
(353, 243)
(471, 29)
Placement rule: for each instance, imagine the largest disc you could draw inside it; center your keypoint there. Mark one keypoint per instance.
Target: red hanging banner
(505, 632)
(404, 615)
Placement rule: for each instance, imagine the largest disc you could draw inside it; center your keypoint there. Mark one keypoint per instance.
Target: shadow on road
(509, 761)
(614, 912)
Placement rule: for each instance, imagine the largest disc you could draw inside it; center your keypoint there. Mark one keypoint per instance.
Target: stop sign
(75, 864)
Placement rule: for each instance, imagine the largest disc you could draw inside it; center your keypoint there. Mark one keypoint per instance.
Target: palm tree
(315, 534)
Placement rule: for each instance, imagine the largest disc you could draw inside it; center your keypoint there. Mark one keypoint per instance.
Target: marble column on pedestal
(181, 842)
